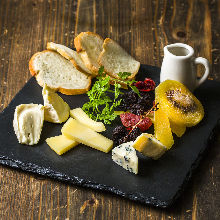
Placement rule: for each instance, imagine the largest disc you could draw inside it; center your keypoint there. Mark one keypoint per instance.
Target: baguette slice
(69, 54)
(115, 59)
(58, 73)
(89, 46)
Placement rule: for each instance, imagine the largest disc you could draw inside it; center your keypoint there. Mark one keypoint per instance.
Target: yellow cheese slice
(82, 134)
(84, 119)
(61, 144)
(149, 146)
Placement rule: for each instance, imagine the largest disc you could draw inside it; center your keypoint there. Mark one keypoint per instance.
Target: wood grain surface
(143, 28)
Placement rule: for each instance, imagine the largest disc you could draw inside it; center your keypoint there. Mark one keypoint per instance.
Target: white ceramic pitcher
(179, 64)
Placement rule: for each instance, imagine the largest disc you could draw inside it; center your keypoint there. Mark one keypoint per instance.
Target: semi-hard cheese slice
(61, 144)
(82, 134)
(84, 119)
(56, 110)
(28, 123)
(125, 156)
(149, 146)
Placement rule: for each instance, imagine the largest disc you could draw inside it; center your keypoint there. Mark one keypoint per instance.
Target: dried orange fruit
(180, 105)
(177, 129)
(162, 130)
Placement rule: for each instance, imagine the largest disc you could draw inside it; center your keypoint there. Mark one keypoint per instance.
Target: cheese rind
(84, 119)
(125, 156)
(56, 110)
(28, 123)
(82, 134)
(61, 144)
(149, 146)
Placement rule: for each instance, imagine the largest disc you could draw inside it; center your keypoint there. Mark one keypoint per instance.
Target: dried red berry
(150, 84)
(144, 124)
(146, 85)
(129, 119)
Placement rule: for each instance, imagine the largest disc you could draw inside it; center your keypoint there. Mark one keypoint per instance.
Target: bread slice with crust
(58, 73)
(115, 59)
(69, 54)
(89, 46)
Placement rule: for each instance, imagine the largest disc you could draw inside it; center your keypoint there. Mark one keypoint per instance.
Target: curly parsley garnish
(100, 105)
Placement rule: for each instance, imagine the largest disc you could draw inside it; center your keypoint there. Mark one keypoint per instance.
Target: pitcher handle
(205, 63)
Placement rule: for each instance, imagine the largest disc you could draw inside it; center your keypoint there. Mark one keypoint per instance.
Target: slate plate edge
(33, 168)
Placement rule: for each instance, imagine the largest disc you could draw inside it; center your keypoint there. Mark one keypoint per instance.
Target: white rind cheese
(28, 123)
(56, 110)
(125, 156)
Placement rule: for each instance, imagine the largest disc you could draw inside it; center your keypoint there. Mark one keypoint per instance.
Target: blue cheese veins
(125, 156)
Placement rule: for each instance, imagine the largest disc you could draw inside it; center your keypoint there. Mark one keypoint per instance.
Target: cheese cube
(84, 119)
(61, 144)
(149, 146)
(125, 156)
(82, 134)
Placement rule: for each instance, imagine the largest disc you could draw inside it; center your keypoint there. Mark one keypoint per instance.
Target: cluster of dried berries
(135, 121)
(135, 104)
(145, 86)
(122, 135)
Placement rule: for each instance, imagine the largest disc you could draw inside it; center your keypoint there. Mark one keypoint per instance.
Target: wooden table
(143, 28)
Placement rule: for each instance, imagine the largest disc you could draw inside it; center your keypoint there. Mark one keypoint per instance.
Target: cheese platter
(159, 182)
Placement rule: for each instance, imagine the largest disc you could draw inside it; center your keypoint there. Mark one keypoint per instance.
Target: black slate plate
(158, 183)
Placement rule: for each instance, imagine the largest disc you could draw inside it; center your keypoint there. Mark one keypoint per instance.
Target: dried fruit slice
(181, 106)
(177, 129)
(162, 128)
(129, 119)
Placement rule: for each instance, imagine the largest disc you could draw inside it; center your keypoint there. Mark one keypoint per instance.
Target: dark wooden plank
(143, 28)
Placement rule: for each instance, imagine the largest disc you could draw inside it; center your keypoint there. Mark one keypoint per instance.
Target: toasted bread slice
(69, 54)
(89, 46)
(58, 73)
(115, 59)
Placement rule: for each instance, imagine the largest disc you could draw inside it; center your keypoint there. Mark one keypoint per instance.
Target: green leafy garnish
(100, 105)
(124, 75)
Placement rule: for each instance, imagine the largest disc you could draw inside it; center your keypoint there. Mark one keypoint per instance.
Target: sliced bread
(69, 54)
(89, 46)
(58, 73)
(115, 59)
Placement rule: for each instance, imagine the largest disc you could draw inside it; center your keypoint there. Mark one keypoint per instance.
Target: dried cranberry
(146, 85)
(129, 119)
(144, 124)
(150, 84)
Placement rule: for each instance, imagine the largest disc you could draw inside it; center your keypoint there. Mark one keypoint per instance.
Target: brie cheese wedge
(56, 110)
(28, 123)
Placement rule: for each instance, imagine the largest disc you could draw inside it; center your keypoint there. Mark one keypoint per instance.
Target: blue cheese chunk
(125, 155)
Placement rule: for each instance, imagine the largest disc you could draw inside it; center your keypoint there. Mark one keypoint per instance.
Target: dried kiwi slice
(180, 105)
